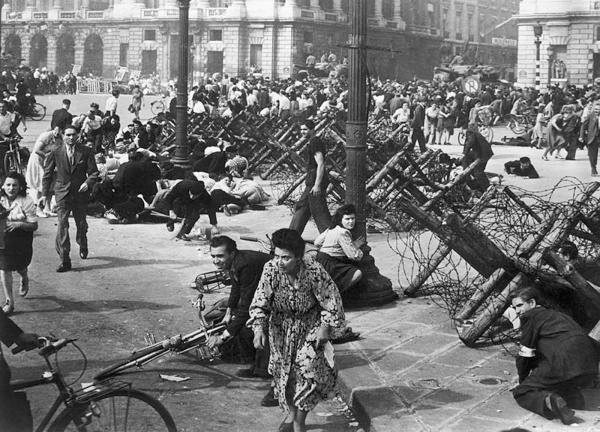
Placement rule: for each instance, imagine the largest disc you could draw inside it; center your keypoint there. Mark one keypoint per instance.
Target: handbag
(130, 108)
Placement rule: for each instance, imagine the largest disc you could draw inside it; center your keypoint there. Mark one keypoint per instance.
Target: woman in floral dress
(301, 303)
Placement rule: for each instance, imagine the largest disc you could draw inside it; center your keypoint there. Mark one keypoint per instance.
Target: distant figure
(521, 168)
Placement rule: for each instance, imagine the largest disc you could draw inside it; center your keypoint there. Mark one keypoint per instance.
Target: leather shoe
(269, 399)
(560, 409)
(83, 252)
(64, 267)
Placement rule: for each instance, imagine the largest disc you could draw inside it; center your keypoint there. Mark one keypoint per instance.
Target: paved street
(409, 372)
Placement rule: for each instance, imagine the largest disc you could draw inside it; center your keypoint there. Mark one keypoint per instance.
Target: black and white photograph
(299, 215)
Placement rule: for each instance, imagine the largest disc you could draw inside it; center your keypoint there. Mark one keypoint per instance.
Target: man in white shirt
(111, 103)
(6, 120)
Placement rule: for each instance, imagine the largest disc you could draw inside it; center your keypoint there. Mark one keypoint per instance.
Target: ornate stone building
(480, 30)
(569, 42)
(231, 36)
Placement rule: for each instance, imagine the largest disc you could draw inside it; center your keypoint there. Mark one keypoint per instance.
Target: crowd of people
(286, 307)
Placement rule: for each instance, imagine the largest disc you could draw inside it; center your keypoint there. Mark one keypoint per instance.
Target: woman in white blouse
(338, 253)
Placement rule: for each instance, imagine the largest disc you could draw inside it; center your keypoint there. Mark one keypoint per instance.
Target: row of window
(213, 35)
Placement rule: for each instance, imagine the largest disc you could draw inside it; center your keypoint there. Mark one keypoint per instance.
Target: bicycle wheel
(120, 410)
(11, 163)
(38, 112)
(157, 107)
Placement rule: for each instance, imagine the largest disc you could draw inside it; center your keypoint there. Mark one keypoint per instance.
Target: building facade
(569, 43)
(231, 36)
(480, 30)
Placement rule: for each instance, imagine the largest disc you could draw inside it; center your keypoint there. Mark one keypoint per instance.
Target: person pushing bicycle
(10, 334)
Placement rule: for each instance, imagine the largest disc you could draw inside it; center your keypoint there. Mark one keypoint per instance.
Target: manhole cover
(490, 381)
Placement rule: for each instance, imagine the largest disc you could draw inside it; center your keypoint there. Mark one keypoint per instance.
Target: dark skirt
(18, 250)
(341, 270)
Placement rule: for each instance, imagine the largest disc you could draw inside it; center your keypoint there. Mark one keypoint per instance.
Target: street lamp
(373, 288)
(182, 151)
(537, 32)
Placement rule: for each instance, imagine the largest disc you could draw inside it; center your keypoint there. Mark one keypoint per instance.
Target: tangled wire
(506, 221)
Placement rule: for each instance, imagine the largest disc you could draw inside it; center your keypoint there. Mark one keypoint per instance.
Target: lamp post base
(374, 289)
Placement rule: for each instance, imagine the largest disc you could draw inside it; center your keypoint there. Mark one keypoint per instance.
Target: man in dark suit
(10, 333)
(245, 270)
(73, 168)
(62, 117)
(477, 147)
(589, 134)
(417, 124)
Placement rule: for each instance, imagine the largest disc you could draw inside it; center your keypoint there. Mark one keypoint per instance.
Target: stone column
(57, 4)
(379, 10)
(314, 4)
(398, 15)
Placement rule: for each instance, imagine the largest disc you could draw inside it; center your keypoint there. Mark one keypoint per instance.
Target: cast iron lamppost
(182, 151)
(373, 288)
(537, 32)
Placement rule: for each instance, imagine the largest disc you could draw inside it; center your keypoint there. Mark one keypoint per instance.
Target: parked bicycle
(105, 405)
(12, 157)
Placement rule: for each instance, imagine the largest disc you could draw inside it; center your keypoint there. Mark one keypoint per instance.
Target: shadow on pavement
(114, 262)
(100, 305)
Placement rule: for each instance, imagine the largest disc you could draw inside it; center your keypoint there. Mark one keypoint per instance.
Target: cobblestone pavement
(409, 371)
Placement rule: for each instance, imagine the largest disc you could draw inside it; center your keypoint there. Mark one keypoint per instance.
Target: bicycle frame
(66, 396)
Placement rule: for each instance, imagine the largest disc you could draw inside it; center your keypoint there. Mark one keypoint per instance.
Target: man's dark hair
(528, 293)
(289, 239)
(70, 127)
(66, 101)
(228, 242)
(525, 159)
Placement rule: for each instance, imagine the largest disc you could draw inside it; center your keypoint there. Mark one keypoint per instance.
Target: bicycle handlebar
(47, 346)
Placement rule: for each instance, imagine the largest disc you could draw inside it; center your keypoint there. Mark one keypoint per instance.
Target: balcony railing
(214, 12)
(67, 15)
(95, 14)
(40, 15)
(149, 13)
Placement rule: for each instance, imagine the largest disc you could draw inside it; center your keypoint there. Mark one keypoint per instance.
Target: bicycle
(36, 112)
(158, 106)
(105, 405)
(12, 158)
(519, 124)
(177, 344)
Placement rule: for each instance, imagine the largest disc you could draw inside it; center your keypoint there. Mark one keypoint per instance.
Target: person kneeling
(556, 360)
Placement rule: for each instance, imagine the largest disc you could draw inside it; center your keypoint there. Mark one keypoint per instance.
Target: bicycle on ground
(196, 340)
(104, 405)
